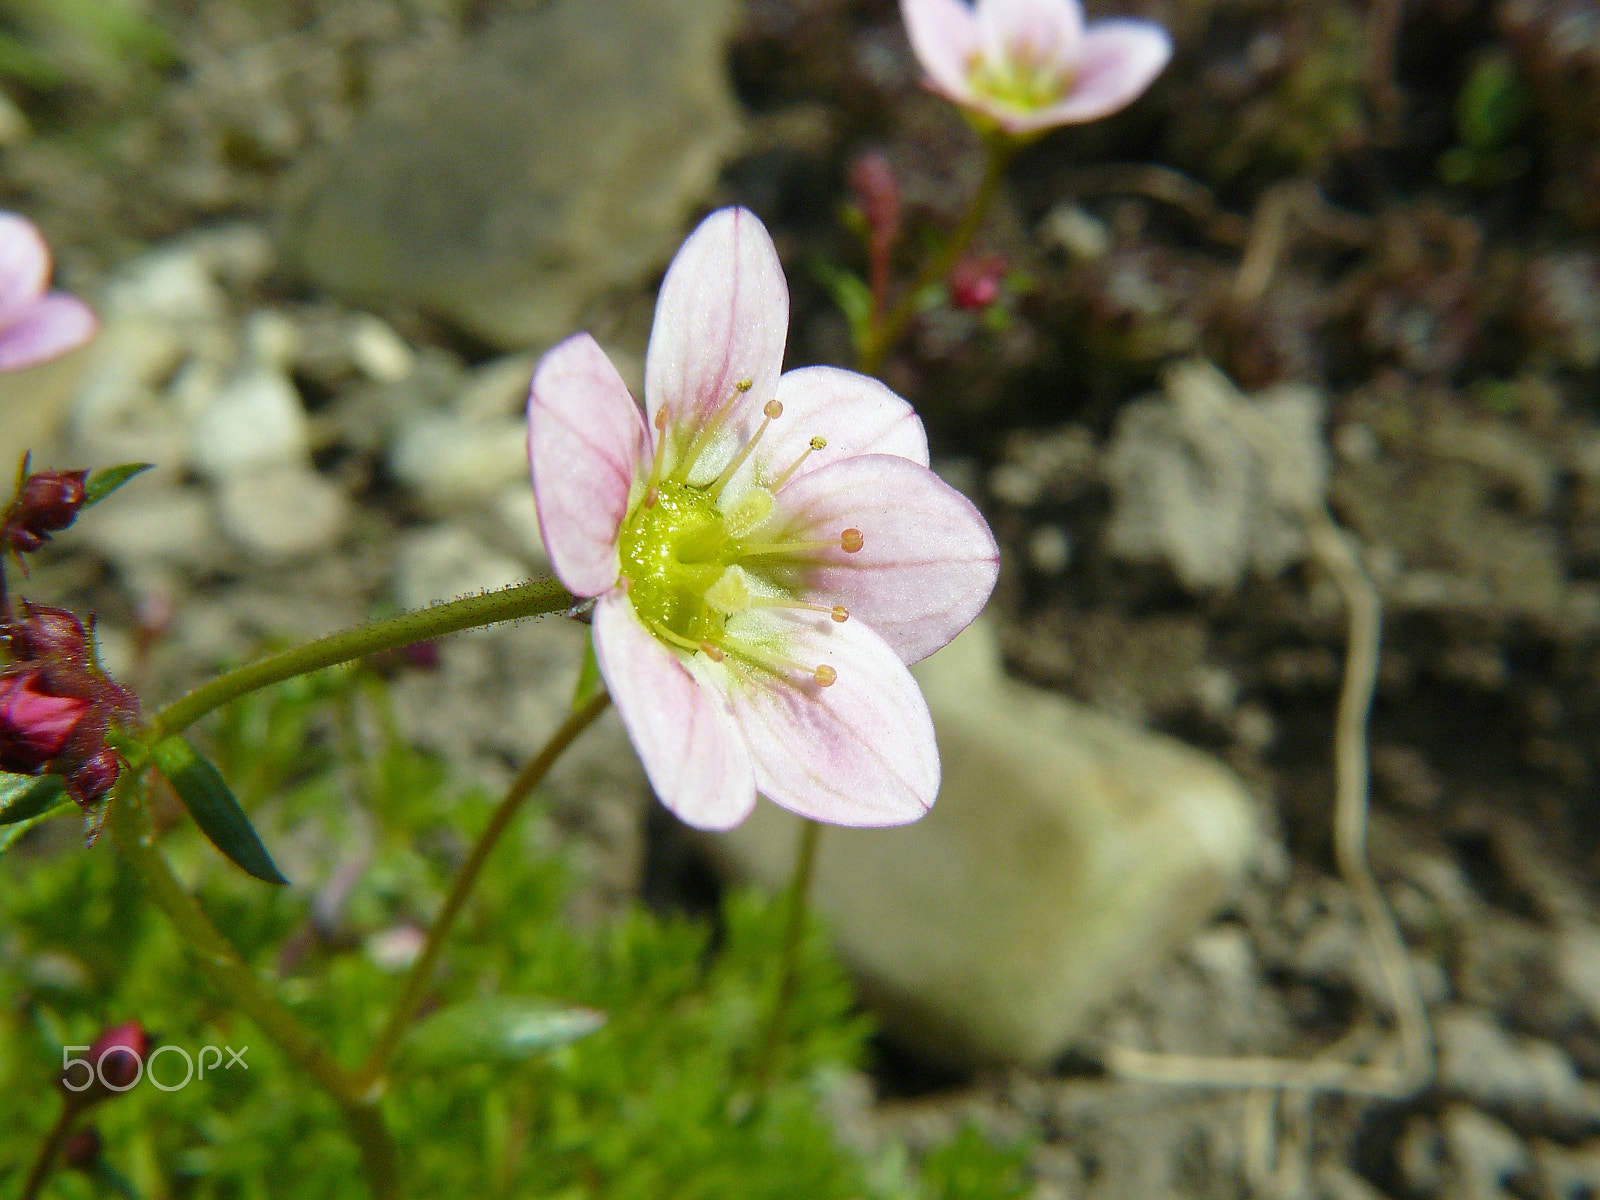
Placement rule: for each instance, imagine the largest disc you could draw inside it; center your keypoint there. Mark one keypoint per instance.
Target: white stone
(497, 389)
(450, 463)
(1067, 853)
(256, 421)
(281, 512)
(152, 528)
(379, 352)
(519, 517)
(446, 562)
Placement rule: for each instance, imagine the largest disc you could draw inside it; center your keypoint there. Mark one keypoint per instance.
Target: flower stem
(885, 332)
(421, 973)
(221, 964)
(538, 598)
(49, 1149)
(788, 954)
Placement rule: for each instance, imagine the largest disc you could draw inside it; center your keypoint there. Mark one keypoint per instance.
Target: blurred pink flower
(35, 325)
(768, 551)
(1030, 65)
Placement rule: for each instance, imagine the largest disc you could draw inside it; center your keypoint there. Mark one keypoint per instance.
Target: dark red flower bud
(112, 1065)
(49, 500)
(94, 778)
(46, 503)
(975, 282)
(877, 193)
(44, 633)
(34, 725)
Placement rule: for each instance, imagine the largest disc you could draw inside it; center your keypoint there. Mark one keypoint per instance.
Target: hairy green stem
(538, 598)
(421, 973)
(220, 963)
(883, 334)
(805, 860)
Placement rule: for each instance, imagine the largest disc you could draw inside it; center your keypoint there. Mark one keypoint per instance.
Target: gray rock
(1068, 852)
(151, 528)
(557, 158)
(1533, 1080)
(282, 512)
(256, 421)
(1483, 1152)
(449, 462)
(1196, 488)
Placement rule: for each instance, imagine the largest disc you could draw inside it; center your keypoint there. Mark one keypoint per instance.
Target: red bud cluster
(46, 502)
(975, 282)
(57, 705)
(877, 194)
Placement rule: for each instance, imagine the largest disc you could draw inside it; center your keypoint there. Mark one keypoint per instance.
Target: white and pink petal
(1118, 61)
(944, 37)
(1034, 31)
(722, 318)
(24, 265)
(928, 561)
(49, 327)
(679, 721)
(859, 752)
(586, 444)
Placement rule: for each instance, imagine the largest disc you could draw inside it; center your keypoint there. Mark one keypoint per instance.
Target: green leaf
(25, 796)
(497, 1029)
(102, 483)
(850, 292)
(210, 802)
(589, 681)
(11, 834)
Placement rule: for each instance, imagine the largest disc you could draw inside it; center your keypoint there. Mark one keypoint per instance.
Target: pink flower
(35, 325)
(1030, 65)
(768, 551)
(34, 724)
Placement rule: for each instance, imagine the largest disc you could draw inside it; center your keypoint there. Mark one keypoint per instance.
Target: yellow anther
(841, 614)
(713, 652)
(851, 541)
(825, 675)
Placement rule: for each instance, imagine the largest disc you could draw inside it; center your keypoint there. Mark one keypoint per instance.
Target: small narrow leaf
(498, 1029)
(102, 483)
(850, 292)
(11, 834)
(589, 681)
(210, 802)
(25, 796)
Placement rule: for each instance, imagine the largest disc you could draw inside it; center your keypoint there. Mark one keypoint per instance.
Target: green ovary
(668, 593)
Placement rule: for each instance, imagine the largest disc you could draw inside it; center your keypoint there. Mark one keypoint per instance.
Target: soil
(1452, 329)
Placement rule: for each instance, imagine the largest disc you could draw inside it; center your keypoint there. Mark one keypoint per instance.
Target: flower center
(1024, 80)
(691, 559)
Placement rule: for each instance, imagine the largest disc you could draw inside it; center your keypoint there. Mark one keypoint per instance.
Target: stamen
(711, 651)
(851, 541)
(709, 430)
(817, 443)
(770, 413)
(825, 675)
(651, 495)
(667, 635)
(838, 612)
(776, 663)
(660, 458)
